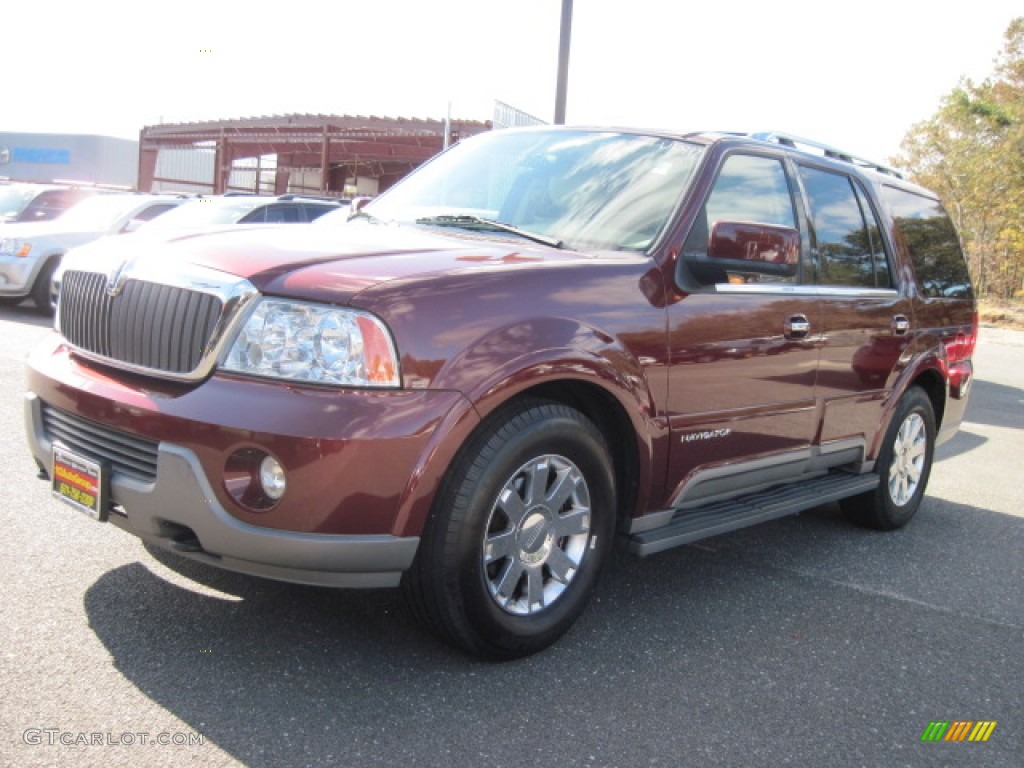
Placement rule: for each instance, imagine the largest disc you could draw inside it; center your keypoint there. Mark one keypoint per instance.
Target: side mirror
(753, 247)
(356, 205)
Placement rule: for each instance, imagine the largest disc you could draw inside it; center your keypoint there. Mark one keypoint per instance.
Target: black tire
(533, 493)
(904, 465)
(41, 292)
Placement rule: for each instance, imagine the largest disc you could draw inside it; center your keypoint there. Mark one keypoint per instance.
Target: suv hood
(319, 262)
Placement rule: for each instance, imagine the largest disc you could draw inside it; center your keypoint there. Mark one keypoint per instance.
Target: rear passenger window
(883, 269)
(933, 244)
(148, 214)
(748, 189)
(287, 214)
(849, 251)
(52, 203)
(314, 212)
(257, 216)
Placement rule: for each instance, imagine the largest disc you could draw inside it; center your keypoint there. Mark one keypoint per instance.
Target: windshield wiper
(470, 221)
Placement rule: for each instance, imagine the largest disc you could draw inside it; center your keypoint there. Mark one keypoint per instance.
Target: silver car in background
(30, 252)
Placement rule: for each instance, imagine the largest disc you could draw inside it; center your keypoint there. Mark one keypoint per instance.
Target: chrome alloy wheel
(908, 459)
(536, 535)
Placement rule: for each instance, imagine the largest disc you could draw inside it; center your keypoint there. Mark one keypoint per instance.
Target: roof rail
(314, 198)
(796, 142)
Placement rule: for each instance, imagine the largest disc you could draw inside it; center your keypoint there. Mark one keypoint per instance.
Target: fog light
(254, 479)
(272, 478)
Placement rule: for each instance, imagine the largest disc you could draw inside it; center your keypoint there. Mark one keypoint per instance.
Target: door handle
(796, 327)
(900, 325)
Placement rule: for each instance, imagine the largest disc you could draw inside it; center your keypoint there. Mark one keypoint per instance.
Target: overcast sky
(856, 75)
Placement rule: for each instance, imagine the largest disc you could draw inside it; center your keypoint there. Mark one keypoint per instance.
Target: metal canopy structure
(332, 149)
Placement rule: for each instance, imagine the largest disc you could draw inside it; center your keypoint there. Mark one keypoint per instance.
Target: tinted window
(933, 244)
(844, 248)
(748, 188)
(883, 271)
(316, 211)
(147, 214)
(751, 189)
(51, 204)
(255, 217)
(283, 214)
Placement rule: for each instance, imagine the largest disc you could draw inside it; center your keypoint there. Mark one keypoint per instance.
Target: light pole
(563, 62)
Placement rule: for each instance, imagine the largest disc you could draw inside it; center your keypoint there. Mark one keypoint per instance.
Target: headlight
(319, 344)
(11, 246)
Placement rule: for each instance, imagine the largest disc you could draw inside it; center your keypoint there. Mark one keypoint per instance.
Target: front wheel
(42, 290)
(904, 464)
(519, 533)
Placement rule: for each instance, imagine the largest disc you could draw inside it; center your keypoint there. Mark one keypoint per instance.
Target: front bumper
(352, 460)
(16, 275)
(180, 512)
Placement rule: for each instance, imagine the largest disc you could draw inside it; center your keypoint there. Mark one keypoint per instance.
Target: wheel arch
(50, 257)
(630, 451)
(934, 385)
(929, 378)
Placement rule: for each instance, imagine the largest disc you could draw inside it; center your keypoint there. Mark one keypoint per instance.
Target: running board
(721, 517)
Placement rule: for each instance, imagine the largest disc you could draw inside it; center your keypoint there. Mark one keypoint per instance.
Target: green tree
(971, 152)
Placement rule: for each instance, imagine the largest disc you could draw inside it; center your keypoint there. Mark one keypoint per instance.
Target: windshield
(98, 213)
(14, 199)
(205, 212)
(598, 190)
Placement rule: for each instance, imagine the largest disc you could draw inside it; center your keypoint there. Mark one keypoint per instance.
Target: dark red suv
(541, 341)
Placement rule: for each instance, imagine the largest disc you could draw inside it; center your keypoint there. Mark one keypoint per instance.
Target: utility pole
(563, 62)
(448, 127)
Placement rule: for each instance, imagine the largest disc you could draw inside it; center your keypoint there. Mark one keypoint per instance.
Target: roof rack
(315, 198)
(796, 142)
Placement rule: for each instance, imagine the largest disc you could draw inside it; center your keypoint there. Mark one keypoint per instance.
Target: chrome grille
(162, 328)
(128, 454)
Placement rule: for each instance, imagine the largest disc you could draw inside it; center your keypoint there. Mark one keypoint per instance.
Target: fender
(931, 360)
(488, 375)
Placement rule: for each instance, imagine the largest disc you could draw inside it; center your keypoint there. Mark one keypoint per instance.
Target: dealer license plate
(79, 482)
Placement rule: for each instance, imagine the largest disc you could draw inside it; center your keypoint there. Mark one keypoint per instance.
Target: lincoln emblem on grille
(114, 279)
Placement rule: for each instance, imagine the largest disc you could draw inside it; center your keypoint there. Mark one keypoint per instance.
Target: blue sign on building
(41, 155)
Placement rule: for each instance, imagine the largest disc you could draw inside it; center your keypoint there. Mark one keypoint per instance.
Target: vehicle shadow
(964, 441)
(753, 640)
(996, 405)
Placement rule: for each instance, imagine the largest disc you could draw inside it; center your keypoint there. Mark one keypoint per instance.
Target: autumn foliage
(971, 152)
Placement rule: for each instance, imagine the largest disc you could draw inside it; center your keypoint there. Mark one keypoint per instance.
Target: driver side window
(749, 188)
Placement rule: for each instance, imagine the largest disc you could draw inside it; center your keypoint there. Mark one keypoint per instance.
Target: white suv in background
(30, 252)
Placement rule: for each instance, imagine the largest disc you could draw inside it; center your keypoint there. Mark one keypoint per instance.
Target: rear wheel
(519, 533)
(904, 465)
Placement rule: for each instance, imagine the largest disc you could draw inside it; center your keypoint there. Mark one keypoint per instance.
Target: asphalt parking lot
(803, 642)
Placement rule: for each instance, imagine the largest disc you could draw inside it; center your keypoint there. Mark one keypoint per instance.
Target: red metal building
(337, 155)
